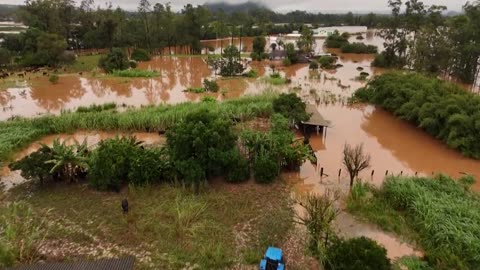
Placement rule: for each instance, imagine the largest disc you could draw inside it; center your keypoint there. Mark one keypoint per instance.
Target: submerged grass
(444, 214)
(19, 133)
(135, 73)
(85, 63)
(167, 227)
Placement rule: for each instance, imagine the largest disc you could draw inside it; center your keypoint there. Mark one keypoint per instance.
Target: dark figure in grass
(125, 206)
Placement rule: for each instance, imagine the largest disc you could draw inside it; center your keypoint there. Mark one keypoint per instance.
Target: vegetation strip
(442, 109)
(18, 133)
(440, 213)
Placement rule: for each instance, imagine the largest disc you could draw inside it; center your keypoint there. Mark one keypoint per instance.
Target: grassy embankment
(440, 214)
(19, 133)
(167, 227)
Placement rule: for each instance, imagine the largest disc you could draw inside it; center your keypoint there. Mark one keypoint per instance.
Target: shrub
(140, 55)
(357, 254)
(255, 56)
(287, 62)
(327, 62)
(197, 145)
(116, 59)
(265, 168)
(359, 48)
(251, 74)
(259, 45)
(53, 79)
(336, 40)
(210, 86)
(236, 167)
(291, 107)
(110, 162)
(149, 165)
(380, 61)
(132, 64)
(35, 166)
(313, 65)
(444, 110)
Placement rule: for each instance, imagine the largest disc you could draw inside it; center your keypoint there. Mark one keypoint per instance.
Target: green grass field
(167, 227)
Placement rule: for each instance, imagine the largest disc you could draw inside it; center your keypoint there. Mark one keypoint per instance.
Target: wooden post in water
(386, 173)
(401, 173)
(321, 174)
(371, 175)
(416, 173)
(339, 173)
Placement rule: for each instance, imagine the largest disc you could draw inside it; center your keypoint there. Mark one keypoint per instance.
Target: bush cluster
(140, 55)
(359, 48)
(116, 59)
(443, 109)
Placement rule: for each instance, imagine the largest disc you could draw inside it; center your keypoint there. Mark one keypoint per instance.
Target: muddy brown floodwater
(393, 144)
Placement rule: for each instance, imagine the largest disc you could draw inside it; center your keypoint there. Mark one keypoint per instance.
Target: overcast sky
(287, 5)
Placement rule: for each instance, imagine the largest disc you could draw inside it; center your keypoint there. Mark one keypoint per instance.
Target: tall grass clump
(20, 132)
(444, 213)
(135, 73)
(97, 108)
(20, 234)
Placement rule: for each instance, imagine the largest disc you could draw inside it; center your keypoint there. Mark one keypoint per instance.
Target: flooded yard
(396, 147)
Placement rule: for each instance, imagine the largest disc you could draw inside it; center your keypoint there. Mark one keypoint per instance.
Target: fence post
(386, 172)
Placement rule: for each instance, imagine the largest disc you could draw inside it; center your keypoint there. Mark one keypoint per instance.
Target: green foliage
(197, 145)
(327, 62)
(135, 73)
(21, 234)
(336, 40)
(35, 166)
(150, 165)
(269, 151)
(19, 133)
(53, 79)
(313, 65)
(291, 107)
(251, 74)
(97, 108)
(231, 66)
(210, 85)
(359, 48)
(121, 160)
(317, 215)
(236, 166)
(381, 61)
(116, 59)
(411, 263)
(265, 168)
(357, 254)
(5, 57)
(287, 62)
(140, 55)
(259, 44)
(276, 79)
(110, 163)
(306, 40)
(442, 109)
(444, 214)
(292, 55)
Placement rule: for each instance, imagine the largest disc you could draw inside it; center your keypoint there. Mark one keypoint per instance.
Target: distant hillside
(229, 8)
